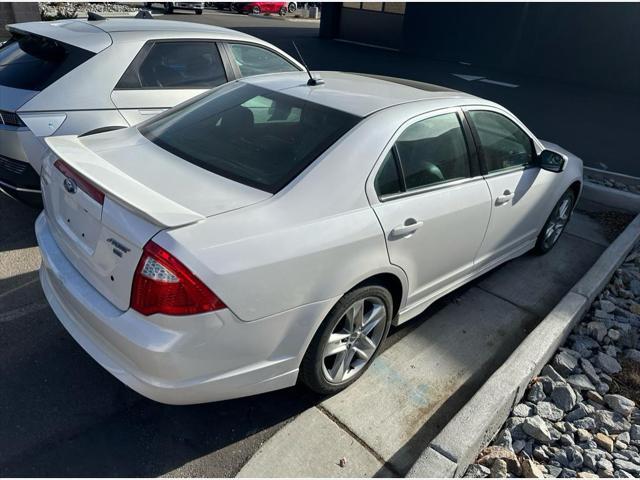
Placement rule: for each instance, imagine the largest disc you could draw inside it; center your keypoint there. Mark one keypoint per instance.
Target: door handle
(505, 197)
(410, 225)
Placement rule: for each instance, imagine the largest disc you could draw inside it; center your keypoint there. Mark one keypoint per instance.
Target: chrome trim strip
(431, 188)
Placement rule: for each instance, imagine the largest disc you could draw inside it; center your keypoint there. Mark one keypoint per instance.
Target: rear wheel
(348, 340)
(198, 11)
(292, 7)
(556, 223)
(168, 8)
(283, 11)
(255, 10)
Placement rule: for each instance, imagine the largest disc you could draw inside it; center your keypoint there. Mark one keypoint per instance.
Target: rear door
(166, 73)
(432, 202)
(520, 199)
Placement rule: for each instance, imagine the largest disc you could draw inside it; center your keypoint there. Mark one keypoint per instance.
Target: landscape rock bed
(613, 183)
(62, 10)
(579, 417)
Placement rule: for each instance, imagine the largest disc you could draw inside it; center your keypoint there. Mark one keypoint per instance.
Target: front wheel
(283, 11)
(348, 340)
(168, 8)
(556, 223)
(255, 10)
(198, 11)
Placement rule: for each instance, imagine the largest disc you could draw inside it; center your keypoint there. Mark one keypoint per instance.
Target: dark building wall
(595, 44)
(14, 12)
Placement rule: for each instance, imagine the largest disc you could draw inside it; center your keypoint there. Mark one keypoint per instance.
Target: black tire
(311, 368)
(544, 244)
(198, 11)
(168, 8)
(292, 7)
(283, 11)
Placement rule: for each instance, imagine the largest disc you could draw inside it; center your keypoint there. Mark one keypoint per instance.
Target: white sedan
(272, 229)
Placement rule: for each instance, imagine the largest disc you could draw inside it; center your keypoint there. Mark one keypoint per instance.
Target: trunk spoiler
(120, 187)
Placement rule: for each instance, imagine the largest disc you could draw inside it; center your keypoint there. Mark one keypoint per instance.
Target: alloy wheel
(354, 340)
(557, 223)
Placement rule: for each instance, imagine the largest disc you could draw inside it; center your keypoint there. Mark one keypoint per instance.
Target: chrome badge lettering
(119, 249)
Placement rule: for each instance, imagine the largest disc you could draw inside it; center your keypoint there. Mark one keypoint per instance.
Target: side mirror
(551, 161)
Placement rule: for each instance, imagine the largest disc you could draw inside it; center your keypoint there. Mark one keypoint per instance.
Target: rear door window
(181, 65)
(31, 62)
(252, 60)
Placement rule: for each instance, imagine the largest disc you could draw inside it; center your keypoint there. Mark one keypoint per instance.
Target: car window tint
(249, 134)
(31, 62)
(433, 151)
(388, 180)
(176, 65)
(266, 110)
(503, 143)
(253, 60)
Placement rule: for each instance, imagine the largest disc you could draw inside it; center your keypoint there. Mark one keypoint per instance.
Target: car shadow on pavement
(63, 415)
(16, 224)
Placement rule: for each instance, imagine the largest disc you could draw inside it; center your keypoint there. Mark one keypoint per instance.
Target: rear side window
(31, 62)
(252, 60)
(175, 65)
(249, 134)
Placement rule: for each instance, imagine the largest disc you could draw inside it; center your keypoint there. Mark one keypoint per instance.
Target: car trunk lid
(105, 202)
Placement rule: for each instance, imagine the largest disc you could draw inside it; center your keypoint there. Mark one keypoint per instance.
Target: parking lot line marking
(22, 311)
(15, 289)
(501, 84)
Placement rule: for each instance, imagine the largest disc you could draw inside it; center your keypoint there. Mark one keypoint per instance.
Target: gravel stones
(569, 424)
(549, 411)
(537, 428)
(564, 397)
(565, 363)
(608, 364)
(522, 410)
(620, 404)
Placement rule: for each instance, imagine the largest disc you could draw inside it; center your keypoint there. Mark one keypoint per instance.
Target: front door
(520, 191)
(166, 73)
(433, 204)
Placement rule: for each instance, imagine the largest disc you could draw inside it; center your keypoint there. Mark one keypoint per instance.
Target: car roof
(97, 35)
(358, 94)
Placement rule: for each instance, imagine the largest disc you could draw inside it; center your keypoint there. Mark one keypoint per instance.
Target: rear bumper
(19, 147)
(177, 360)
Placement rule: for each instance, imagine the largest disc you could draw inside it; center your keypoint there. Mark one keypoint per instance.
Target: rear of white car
(128, 295)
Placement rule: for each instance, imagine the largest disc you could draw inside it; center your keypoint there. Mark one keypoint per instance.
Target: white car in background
(272, 229)
(80, 77)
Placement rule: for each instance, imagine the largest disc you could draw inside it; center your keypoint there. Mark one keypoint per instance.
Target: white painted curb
(457, 445)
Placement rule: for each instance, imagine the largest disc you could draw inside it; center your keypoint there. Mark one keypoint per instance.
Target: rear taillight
(162, 284)
(83, 184)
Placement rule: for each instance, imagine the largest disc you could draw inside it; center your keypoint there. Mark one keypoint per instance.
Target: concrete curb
(458, 443)
(611, 197)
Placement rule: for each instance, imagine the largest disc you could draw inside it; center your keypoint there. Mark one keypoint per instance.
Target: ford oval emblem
(70, 185)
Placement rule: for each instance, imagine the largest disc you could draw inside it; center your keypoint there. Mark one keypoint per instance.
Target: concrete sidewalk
(379, 426)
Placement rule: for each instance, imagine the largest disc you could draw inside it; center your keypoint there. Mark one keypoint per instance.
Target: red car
(265, 7)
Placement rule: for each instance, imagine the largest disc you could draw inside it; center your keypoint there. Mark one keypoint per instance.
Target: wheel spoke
(336, 344)
(355, 316)
(338, 370)
(365, 347)
(376, 315)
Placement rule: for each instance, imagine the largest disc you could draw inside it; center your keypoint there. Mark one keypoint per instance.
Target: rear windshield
(249, 134)
(31, 62)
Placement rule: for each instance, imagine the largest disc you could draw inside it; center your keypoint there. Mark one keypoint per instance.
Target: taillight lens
(83, 184)
(162, 284)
